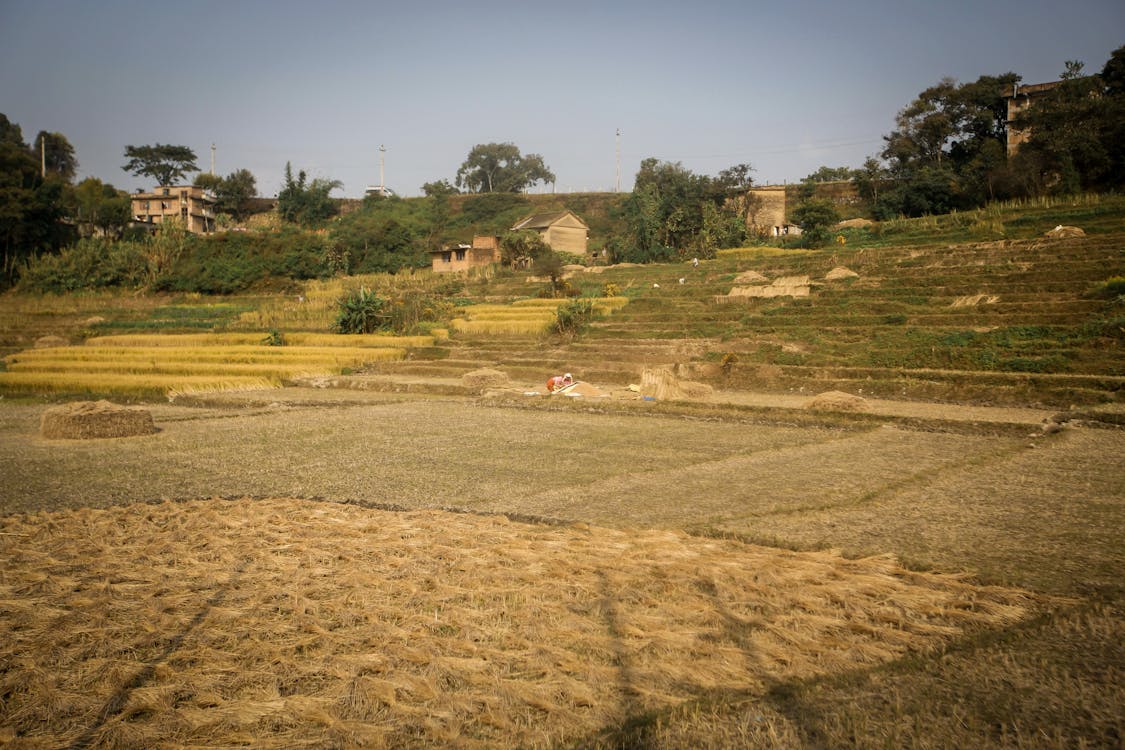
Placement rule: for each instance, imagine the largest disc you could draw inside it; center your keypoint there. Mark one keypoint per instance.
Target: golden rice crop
(146, 385)
(149, 370)
(219, 354)
(516, 326)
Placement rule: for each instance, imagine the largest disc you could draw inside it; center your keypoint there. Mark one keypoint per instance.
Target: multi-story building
(194, 205)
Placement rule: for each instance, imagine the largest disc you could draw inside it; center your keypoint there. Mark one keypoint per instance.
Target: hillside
(1011, 322)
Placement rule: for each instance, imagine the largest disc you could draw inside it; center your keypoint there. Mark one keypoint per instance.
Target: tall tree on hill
(55, 153)
(31, 208)
(304, 202)
(500, 168)
(164, 163)
(1076, 131)
(947, 144)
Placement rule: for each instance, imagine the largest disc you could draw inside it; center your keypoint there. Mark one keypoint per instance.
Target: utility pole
(382, 185)
(212, 159)
(617, 184)
(43, 156)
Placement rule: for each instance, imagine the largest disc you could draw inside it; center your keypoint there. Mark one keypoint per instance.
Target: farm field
(654, 524)
(344, 542)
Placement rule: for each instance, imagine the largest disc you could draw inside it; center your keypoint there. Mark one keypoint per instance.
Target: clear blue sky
(786, 86)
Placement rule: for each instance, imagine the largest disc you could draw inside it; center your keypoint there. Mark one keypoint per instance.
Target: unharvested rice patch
(301, 623)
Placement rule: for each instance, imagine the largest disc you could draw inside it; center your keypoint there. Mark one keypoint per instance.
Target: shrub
(573, 317)
(361, 311)
(89, 264)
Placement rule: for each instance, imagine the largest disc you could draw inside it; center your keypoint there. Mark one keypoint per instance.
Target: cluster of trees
(948, 149)
(675, 213)
(33, 195)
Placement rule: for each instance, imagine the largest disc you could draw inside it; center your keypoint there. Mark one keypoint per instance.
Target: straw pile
(750, 277)
(50, 342)
(786, 286)
(837, 401)
(663, 385)
(485, 379)
(1064, 232)
(95, 419)
(294, 623)
(839, 273)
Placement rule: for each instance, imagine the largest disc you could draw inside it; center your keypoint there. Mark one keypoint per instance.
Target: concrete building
(1018, 99)
(484, 251)
(194, 205)
(563, 231)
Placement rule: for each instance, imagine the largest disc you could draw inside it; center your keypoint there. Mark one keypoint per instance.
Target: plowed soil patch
(292, 623)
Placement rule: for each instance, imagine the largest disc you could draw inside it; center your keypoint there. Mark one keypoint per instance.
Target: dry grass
(299, 623)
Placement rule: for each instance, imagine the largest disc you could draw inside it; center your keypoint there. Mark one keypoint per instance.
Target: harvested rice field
(303, 568)
(294, 623)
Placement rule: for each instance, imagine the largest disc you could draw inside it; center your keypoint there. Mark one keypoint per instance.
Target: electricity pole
(212, 159)
(617, 184)
(382, 185)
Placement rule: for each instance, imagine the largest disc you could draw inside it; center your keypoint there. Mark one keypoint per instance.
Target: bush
(361, 311)
(89, 264)
(573, 317)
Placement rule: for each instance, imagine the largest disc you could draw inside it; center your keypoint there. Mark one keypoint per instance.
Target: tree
(31, 208)
(100, 206)
(831, 174)
(499, 168)
(816, 219)
(303, 202)
(55, 151)
(164, 163)
(439, 188)
(1076, 132)
(235, 191)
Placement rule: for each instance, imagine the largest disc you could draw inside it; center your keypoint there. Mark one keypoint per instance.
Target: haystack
(95, 419)
(485, 379)
(840, 272)
(750, 277)
(854, 223)
(662, 384)
(1064, 232)
(50, 342)
(837, 401)
(786, 286)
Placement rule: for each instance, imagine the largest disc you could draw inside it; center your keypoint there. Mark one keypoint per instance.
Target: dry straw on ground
(95, 419)
(291, 623)
(837, 401)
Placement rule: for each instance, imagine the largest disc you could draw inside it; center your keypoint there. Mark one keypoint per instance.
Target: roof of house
(542, 221)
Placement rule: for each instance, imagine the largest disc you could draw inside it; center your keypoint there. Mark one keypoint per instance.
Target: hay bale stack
(837, 401)
(485, 379)
(95, 419)
(50, 342)
(1064, 232)
(662, 384)
(839, 273)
